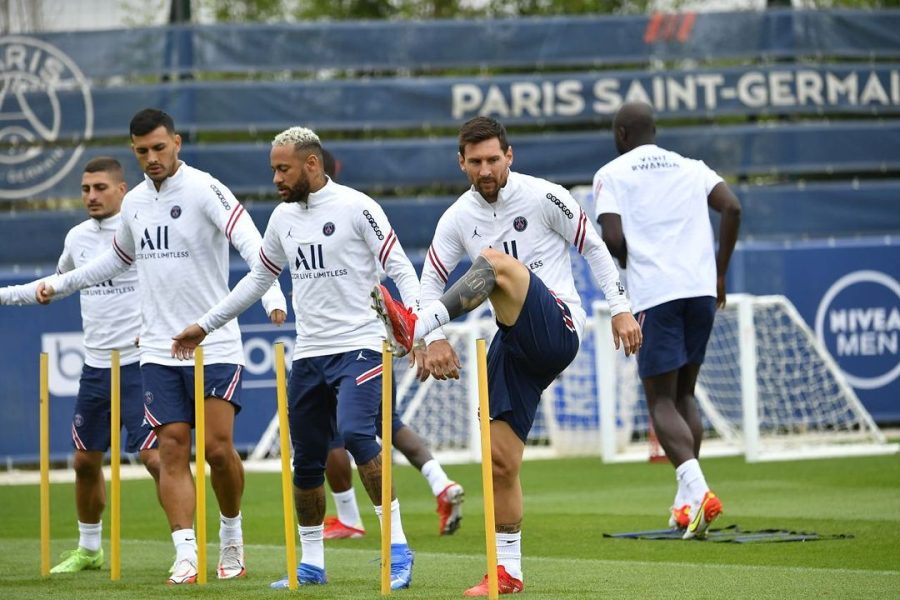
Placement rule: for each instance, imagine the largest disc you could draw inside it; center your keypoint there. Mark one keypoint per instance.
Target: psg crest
(328, 229)
(175, 212)
(520, 223)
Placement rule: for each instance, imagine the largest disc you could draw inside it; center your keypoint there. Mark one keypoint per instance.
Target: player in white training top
(330, 237)
(339, 471)
(652, 205)
(516, 230)
(176, 226)
(111, 319)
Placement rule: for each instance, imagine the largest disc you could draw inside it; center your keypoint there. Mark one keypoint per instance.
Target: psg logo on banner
(520, 223)
(328, 229)
(175, 212)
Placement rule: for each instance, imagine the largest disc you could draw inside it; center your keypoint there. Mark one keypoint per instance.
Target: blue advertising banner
(566, 158)
(422, 45)
(848, 292)
(386, 103)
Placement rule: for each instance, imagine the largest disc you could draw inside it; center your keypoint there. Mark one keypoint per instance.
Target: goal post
(768, 389)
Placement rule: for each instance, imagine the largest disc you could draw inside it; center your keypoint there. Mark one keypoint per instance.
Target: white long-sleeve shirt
(534, 221)
(110, 310)
(333, 246)
(178, 238)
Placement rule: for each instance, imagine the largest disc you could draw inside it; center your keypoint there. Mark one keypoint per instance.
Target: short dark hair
(149, 119)
(481, 129)
(329, 163)
(106, 164)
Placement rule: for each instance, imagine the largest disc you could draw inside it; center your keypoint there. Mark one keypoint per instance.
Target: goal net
(767, 390)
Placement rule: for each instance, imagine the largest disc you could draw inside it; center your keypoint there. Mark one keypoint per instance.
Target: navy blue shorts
(90, 423)
(525, 358)
(169, 391)
(336, 394)
(675, 334)
(396, 424)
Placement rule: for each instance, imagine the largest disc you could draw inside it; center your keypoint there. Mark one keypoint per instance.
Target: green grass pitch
(569, 505)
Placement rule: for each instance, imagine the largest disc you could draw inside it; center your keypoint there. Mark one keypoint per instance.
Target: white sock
(509, 553)
(397, 535)
(312, 545)
(185, 544)
(89, 535)
(430, 318)
(681, 495)
(348, 509)
(434, 473)
(230, 529)
(691, 477)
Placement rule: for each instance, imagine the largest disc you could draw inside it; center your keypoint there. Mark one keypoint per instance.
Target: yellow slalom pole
(487, 478)
(387, 363)
(200, 464)
(115, 448)
(45, 464)
(286, 485)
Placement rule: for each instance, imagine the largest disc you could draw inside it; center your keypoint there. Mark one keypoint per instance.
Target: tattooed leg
(470, 290)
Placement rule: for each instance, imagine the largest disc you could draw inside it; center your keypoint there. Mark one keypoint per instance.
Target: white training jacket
(534, 221)
(110, 310)
(178, 238)
(334, 246)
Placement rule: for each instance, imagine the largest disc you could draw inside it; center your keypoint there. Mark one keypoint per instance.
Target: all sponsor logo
(42, 94)
(858, 321)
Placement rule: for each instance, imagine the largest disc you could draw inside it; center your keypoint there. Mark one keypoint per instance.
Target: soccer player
(515, 229)
(651, 204)
(110, 316)
(339, 472)
(176, 226)
(330, 237)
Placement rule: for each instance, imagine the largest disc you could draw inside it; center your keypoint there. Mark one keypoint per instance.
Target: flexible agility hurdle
(115, 454)
(44, 425)
(387, 364)
(200, 463)
(287, 503)
(487, 476)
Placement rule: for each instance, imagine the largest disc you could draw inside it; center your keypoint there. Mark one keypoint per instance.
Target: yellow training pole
(286, 484)
(200, 465)
(45, 464)
(387, 363)
(115, 447)
(487, 478)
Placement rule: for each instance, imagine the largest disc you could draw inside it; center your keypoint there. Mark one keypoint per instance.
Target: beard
(299, 192)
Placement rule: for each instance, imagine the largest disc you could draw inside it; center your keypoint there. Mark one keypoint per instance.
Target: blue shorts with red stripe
(90, 423)
(675, 334)
(169, 390)
(336, 394)
(525, 358)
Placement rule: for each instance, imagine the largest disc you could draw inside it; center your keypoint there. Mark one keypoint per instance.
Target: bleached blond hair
(299, 137)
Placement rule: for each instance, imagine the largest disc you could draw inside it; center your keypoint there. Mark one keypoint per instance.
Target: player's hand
(627, 332)
(720, 292)
(278, 317)
(44, 293)
(417, 360)
(442, 361)
(186, 341)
